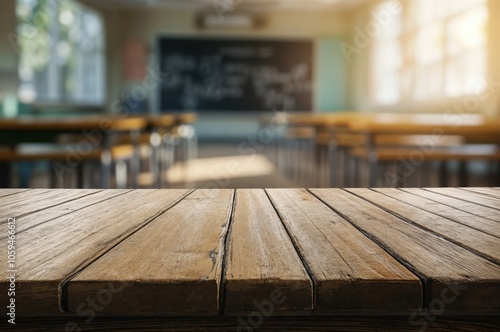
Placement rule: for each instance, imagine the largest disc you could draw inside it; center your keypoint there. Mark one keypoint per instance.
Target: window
(431, 51)
(61, 52)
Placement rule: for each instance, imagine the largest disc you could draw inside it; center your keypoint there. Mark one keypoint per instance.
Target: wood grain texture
(469, 197)
(8, 191)
(489, 192)
(457, 204)
(443, 265)
(481, 243)
(38, 200)
(262, 264)
(276, 252)
(54, 251)
(465, 218)
(172, 266)
(64, 209)
(350, 271)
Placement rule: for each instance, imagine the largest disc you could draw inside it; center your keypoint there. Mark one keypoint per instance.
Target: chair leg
(155, 162)
(463, 175)
(135, 162)
(443, 174)
(80, 176)
(317, 159)
(167, 158)
(425, 174)
(373, 175)
(6, 175)
(498, 173)
(121, 174)
(333, 165)
(52, 178)
(26, 170)
(356, 174)
(192, 145)
(346, 169)
(400, 178)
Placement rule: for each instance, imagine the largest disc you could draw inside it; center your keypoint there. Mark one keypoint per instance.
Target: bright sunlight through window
(431, 51)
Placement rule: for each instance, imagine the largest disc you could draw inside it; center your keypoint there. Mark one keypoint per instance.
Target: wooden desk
(98, 129)
(170, 120)
(470, 127)
(428, 124)
(224, 254)
(77, 123)
(317, 128)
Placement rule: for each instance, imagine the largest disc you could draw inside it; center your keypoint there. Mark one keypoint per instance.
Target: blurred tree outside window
(62, 57)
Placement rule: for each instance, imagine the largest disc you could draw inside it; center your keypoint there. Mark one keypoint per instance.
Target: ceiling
(234, 5)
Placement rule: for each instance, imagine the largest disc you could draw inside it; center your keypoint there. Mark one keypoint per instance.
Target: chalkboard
(235, 75)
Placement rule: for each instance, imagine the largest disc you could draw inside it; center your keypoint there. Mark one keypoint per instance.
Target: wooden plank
(33, 195)
(262, 264)
(471, 125)
(350, 271)
(63, 209)
(66, 124)
(454, 278)
(465, 218)
(38, 199)
(468, 197)
(481, 243)
(8, 192)
(488, 192)
(456, 203)
(49, 254)
(172, 266)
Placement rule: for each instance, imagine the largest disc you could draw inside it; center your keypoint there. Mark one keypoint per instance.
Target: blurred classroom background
(249, 93)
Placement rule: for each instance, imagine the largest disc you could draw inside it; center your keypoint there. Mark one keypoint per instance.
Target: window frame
(409, 32)
(55, 77)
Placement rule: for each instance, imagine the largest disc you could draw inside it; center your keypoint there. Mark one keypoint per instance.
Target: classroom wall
(325, 28)
(322, 27)
(8, 54)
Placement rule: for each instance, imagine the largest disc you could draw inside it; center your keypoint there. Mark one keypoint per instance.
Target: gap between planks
(63, 285)
(476, 241)
(421, 251)
(53, 196)
(351, 272)
(303, 260)
(72, 205)
(481, 200)
(455, 203)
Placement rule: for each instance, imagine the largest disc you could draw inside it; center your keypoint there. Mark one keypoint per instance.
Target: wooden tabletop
(170, 120)
(467, 125)
(318, 120)
(227, 252)
(100, 122)
(428, 124)
(73, 123)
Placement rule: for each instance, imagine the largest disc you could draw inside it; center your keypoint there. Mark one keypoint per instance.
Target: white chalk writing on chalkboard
(231, 72)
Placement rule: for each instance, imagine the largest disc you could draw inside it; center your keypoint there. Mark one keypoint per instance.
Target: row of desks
(97, 130)
(403, 135)
(394, 123)
(101, 122)
(228, 252)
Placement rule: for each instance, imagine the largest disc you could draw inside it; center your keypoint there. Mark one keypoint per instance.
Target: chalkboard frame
(218, 38)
